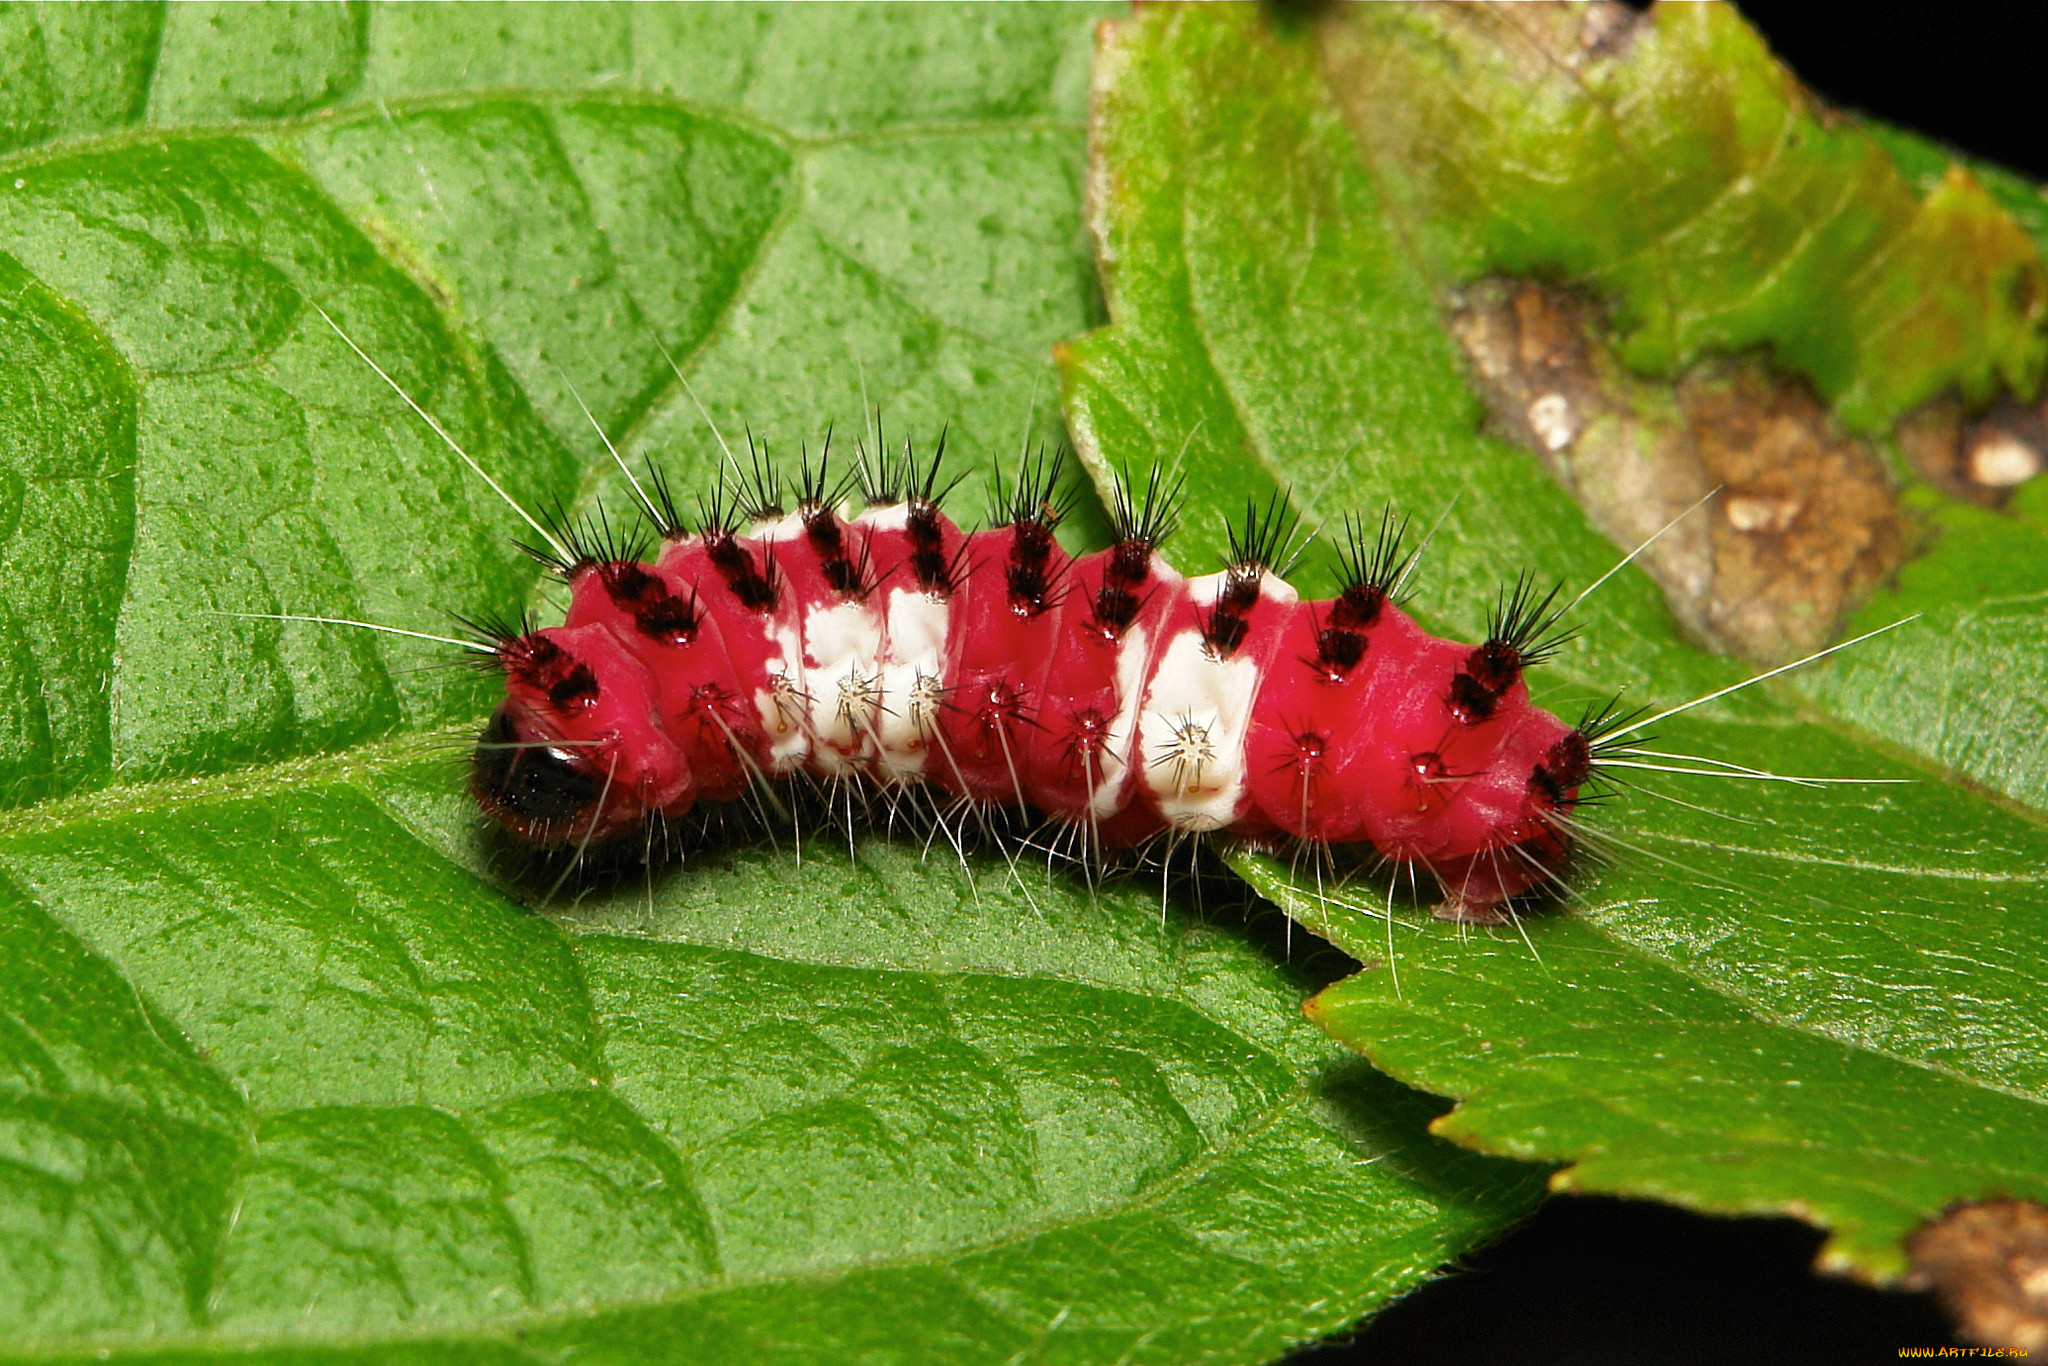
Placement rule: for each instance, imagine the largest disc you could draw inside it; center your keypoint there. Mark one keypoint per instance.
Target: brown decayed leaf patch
(1804, 526)
(1988, 1262)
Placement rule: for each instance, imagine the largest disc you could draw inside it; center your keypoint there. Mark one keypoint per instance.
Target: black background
(1972, 76)
(1596, 1282)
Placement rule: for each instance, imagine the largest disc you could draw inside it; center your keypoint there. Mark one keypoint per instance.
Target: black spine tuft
(1524, 634)
(1038, 500)
(1574, 761)
(1148, 519)
(885, 479)
(1528, 625)
(499, 631)
(1602, 725)
(757, 489)
(1268, 541)
(668, 518)
(586, 542)
(754, 586)
(658, 614)
(1376, 564)
(1269, 538)
(1373, 567)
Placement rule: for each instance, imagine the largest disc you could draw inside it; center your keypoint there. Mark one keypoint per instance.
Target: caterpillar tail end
(1479, 888)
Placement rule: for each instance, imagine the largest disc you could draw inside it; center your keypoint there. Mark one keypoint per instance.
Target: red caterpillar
(1108, 692)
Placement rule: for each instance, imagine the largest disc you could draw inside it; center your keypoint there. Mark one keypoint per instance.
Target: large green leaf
(1822, 1001)
(286, 1061)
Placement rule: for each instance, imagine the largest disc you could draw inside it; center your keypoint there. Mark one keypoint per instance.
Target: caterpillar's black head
(540, 792)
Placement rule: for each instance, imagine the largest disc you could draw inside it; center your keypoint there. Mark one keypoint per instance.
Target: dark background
(1596, 1282)
(1966, 75)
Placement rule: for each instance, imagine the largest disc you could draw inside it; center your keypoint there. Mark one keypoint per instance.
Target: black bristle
(816, 489)
(1038, 499)
(720, 514)
(885, 479)
(585, 542)
(814, 485)
(495, 630)
(757, 495)
(1603, 723)
(951, 575)
(1529, 625)
(1151, 518)
(596, 537)
(669, 524)
(1269, 538)
(1377, 563)
(560, 563)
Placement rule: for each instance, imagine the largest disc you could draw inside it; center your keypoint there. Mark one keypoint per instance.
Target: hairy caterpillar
(1111, 695)
(1107, 692)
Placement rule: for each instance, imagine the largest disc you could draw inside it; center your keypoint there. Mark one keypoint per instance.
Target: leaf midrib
(234, 784)
(339, 115)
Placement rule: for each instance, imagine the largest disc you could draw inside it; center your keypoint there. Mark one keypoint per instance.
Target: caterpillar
(1116, 698)
(1108, 693)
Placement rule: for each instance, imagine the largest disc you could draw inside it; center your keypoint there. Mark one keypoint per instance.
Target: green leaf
(288, 1064)
(285, 1073)
(1814, 1000)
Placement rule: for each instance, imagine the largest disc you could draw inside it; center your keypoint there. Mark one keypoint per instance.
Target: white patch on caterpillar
(787, 705)
(781, 706)
(1133, 668)
(841, 641)
(891, 517)
(1107, 798)
(774, 529)
(913, 663)
(1196, 716)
